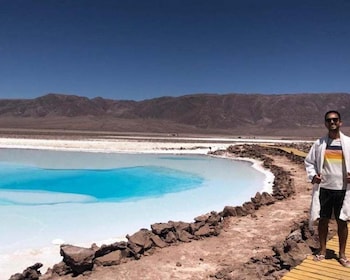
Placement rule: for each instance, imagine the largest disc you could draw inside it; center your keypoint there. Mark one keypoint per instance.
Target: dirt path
(241, 239)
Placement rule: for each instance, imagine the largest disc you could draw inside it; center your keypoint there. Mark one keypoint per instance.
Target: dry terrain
(281, 115)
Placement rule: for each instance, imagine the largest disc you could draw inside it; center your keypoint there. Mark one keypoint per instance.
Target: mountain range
(284, 115)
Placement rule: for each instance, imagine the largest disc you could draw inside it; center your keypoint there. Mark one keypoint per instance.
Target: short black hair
(332, 112)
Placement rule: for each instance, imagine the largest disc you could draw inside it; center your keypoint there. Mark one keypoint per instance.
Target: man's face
(332, 122)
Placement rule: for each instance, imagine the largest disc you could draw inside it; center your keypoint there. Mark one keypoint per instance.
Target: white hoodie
(314, 164)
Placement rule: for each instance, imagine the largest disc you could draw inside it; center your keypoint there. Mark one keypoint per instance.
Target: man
(327, 167)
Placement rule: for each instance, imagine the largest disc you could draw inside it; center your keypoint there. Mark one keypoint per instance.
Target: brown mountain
(237, 114)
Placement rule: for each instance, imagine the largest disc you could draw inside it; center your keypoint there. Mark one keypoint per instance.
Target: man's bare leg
(322, 235)
(343, 237)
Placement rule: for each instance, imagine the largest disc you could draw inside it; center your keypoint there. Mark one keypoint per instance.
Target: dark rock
(106, 249)
(267, 199)
(214, 219)
(60, 269)
(135, 249)
(256, 200)
(229, 211)
(140, 242)
(183, 231)
(202, 218)
(184, 236)
(141, 238)
(294, 249)
(204, 231)
(79, 259)
(158, 241)
(263, 268)
(113, 258)
(249, 207)
(162, 228)
(30, 273)
(196, 226)
(170, 237)
(241, 211)
(293, 253)
(182, 226)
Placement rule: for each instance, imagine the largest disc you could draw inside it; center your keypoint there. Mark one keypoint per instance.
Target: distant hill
(234, 114)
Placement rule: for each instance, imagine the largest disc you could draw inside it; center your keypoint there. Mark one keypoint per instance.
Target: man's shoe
(344, 262)
(318, 258)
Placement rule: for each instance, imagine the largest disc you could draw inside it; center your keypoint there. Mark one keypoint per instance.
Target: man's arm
(312, 171)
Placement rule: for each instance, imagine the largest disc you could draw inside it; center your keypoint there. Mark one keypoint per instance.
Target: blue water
(115, 185)
(82, 197)
(38, 177)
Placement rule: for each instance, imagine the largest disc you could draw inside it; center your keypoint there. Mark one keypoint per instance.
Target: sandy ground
(243, 238)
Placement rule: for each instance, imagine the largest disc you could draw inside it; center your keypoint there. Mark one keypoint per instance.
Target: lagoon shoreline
(137, 145)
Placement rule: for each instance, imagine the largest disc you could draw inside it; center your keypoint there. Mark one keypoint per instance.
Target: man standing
(327, 167)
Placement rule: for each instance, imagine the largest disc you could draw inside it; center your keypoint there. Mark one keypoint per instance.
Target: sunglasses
(332, 119)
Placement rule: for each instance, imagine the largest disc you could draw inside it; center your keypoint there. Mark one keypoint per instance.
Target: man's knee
(323, 221)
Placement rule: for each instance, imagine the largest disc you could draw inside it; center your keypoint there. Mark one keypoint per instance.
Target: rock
(229, 211)
(183, 231)
(135, 249)
(204, 231)
(140, 242)
(59, 269)
(112, 258)
(158, 241)
(184, 236)
(241, 211)
(162, 228)
(267, 199)
(170, 237)
(106, 249)
(79, 259)
(296, 253)
(296, 236)
(214, 219)
(294, 249)
(263, 268)
(30, 273)
(141, 238)
(196, 226)
(182, 226)
(257, 199)
(249, 207)
(202, 218)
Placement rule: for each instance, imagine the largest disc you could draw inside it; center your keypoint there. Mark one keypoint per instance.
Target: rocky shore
(289, 252)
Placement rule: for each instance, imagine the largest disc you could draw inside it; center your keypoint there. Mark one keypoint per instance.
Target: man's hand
(348, 178)
(317, 179)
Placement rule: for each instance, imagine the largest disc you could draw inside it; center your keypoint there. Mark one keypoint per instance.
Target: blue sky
(138, 49)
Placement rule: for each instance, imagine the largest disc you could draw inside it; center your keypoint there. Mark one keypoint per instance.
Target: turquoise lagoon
(51, 197)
